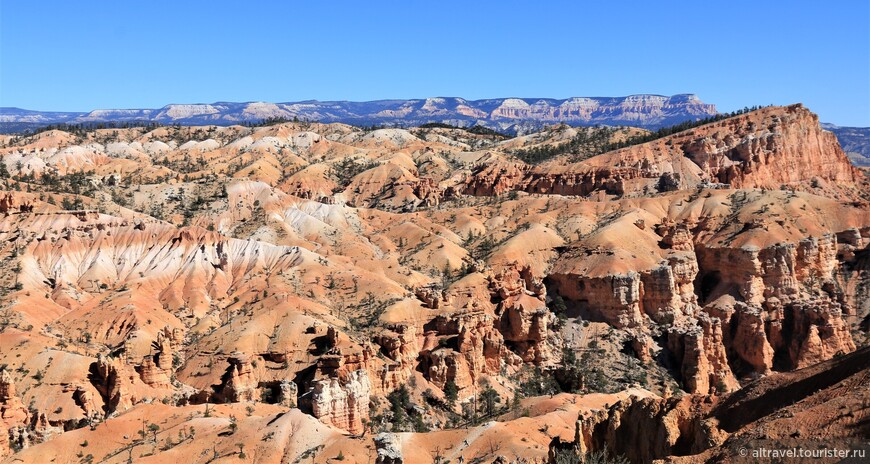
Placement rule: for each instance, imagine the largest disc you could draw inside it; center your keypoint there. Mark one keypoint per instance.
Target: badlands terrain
(307, 292)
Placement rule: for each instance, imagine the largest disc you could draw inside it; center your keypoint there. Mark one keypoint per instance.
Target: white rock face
(398, 137)
(389, 449)
(115, 115)
(263, 110)
(499, 113)
(343, 404)
(202, 147)
(187, 111)
(156, 147)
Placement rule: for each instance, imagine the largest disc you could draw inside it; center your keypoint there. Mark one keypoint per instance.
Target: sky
(84, 55)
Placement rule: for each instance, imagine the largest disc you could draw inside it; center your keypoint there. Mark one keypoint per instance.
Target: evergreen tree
(451, 392)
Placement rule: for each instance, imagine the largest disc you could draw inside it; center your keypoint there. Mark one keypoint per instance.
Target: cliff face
(647, 429)
(804, 404)
(728, 310)
(505, 325)
(768, 148)
(239, 383)
(700, 351)
(479, 349)
(343, 402)
(790, 295)
(664, 294)
(106, 376)
(636, 110)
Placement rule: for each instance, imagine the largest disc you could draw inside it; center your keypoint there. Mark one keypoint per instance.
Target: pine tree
(451, 392)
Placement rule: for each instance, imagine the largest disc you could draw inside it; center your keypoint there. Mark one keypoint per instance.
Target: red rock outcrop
(239, 382)
(7, 388)
(787, 289)
(767, 148)
(806, 404)
(13, 417)
(428, 191)
(700, 351)
(646, 429)
(498, 178)
(107, 377)
(85, 399)
(663, 294)
(853, 275)
(525, 320)
(788, 312)
(444, 365)
(277, 299)
(495, 179)
(431, 296)
(156, 370)
(469, 343)
(750, 341)
(400, 345)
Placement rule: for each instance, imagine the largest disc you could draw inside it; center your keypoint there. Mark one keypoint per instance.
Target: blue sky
(82, 55)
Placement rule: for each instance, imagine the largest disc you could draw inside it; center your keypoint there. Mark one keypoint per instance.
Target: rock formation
(525, 319)
(342, 401)
(650, 429)
(13, 417)
(156, 370)
(106, 376)
(238, 382)
(701, 352)
(288, 393)
(767, 148)
(388, 450)
(85, 399)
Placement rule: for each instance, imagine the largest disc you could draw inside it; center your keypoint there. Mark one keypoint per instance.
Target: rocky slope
(771, 148)
(390, 293)
(823, 406)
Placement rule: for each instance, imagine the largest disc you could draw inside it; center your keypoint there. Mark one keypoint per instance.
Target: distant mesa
(514, 115)
(855, 142)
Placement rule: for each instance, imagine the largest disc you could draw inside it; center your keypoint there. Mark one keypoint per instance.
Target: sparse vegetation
(597, 140)
(567, 456)
(348, 168)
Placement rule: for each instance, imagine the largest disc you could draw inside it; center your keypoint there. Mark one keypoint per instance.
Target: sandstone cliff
(770, 148)
(803, 404)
